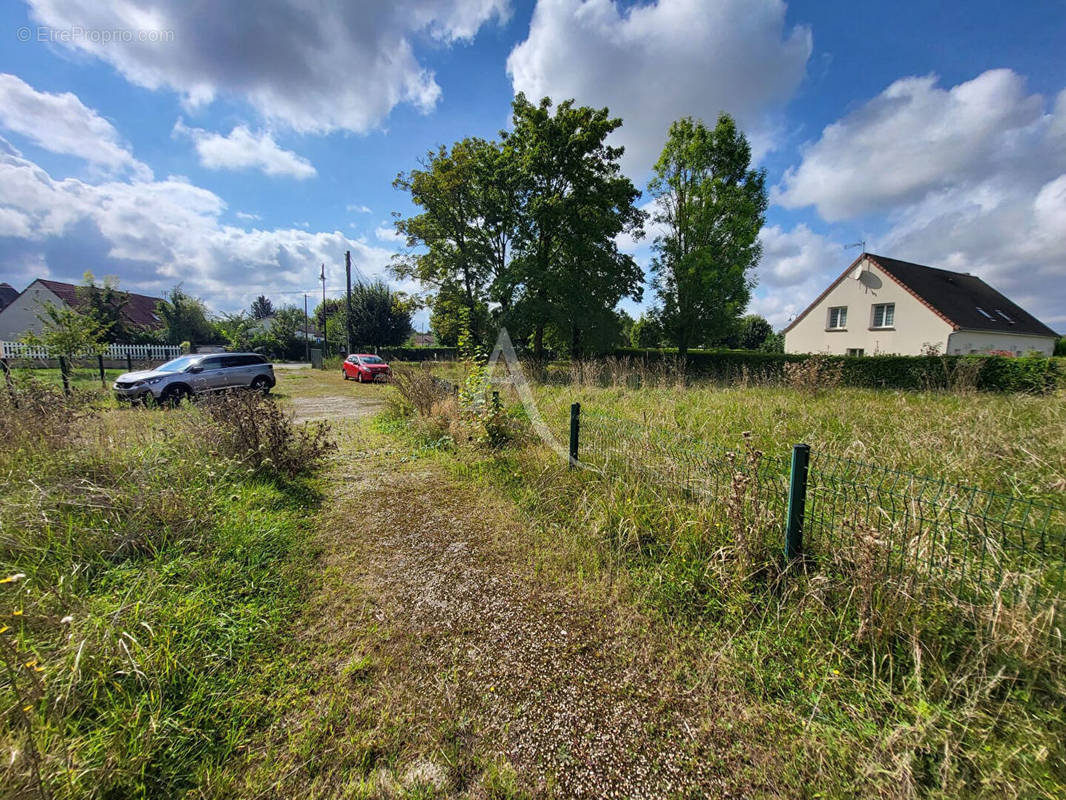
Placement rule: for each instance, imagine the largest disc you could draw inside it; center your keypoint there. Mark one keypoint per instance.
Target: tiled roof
(139, 309)
(962, 300)
(7, 294)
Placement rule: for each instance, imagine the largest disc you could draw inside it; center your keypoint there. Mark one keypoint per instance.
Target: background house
(7, 294)
(883, 305)
(22, 314)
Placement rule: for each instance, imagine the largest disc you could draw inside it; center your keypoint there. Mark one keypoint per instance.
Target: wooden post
(348, 316)
(10, 382)
(103, 377)
(129, 362)
(63, 366)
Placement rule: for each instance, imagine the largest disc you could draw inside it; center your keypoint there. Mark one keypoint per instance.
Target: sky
(234, 146)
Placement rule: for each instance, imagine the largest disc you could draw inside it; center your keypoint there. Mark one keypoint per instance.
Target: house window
(855, 351)
(838, 318)
(884, 315)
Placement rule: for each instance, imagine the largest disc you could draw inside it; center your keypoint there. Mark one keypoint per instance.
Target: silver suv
(185, 376)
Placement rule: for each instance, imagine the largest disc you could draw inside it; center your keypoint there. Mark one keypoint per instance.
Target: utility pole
(325, 340)
(307, 335)
(348, 316)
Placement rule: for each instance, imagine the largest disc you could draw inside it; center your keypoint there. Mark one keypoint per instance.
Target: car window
(352, 359)
(372, 360)
(214, 362)
(178, 364)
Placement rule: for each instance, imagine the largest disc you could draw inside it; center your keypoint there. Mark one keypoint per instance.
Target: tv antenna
(861, 244)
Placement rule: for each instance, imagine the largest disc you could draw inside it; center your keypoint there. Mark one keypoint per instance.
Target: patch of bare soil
(480, 660)
(336, 407)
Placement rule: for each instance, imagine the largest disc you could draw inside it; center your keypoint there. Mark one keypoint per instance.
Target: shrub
(419, 388)
(1032, 374)
(419, 353)
(251, 428)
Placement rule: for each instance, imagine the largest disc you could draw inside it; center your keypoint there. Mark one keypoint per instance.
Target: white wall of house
(22, 315)
(914, 325)
(964, 341)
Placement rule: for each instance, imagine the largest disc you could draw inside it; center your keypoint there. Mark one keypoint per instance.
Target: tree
(262, 307)
(184, 318)
(464, 232)
(236, 330)
(573, 200)
(69, 333)
(647, 331)
(105, 303)
(712, 206)
(446, 317)
(380, 316)
(749, 333)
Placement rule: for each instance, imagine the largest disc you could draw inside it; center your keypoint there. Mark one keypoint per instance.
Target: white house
(882, 305)
(22, 314)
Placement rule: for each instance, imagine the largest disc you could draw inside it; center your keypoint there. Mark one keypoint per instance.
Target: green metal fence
(837, 515)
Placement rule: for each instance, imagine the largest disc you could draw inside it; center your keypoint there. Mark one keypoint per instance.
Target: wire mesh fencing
(861, 521)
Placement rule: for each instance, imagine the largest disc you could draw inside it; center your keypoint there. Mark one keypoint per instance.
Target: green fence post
(100, 364)
(63, 366)
(575, 432)
(797, 501)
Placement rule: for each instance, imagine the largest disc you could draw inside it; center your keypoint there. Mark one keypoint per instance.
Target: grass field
(182, 618)
(869, 687)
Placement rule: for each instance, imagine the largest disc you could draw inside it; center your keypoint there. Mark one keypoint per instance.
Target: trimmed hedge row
(986, 373)
(419, 353)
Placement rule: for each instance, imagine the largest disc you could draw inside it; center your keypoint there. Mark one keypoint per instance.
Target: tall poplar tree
(712, 205)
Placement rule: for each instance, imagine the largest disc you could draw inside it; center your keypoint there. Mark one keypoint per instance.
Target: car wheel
(174, 396)
(359, 377)
(261, 385)
(344, 373)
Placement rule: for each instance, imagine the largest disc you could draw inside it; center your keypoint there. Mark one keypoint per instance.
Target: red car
(365, 368)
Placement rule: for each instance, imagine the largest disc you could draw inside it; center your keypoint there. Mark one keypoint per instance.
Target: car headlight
(153, 381)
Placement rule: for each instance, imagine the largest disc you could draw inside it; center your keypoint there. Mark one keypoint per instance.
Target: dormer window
(984, 313)
(1008, 319)
(838, 318)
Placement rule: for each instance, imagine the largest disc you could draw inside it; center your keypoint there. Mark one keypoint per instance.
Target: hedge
(986, 373)
(419, 353)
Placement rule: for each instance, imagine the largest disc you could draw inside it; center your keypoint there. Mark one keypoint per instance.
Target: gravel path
(334, 407)
(567, 693)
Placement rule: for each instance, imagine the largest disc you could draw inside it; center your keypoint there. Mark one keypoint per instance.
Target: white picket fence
(116, 352)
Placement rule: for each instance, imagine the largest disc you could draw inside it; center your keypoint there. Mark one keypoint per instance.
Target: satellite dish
(857, 272)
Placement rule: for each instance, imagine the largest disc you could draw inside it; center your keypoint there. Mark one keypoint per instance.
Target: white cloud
(61, 123)
(915, 138)
(316, 67)
(156, 234)
(651, 64)
(243, 149)
(796, 266)
(359, 209)
(246, 216)
(971, 178)
(387, 233)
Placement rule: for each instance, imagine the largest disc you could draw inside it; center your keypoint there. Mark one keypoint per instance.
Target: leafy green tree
(573, 200)
(283, 338)
(67, 332)
(185, 318)
(647, 331)
(446, 318)
(713, 206)
(748, 333)
(460, 243)
(236, 330)
(105, 303)
(1060, 346)
(774, 343)
(380, 316)
(262, 307)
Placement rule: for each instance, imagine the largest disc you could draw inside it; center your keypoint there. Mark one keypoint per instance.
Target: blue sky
(234, 147)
